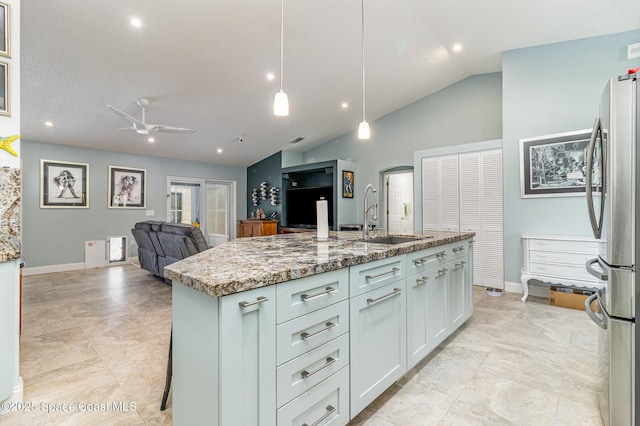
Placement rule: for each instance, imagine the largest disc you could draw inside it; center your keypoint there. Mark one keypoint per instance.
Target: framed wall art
(5, 30)
(347, 184)
(64, 184)
(127, 188)
(5, 95)
(554, 165)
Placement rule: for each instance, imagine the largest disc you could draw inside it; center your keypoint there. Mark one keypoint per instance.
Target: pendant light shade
(363, 129)
(281, 101)
(281, 104)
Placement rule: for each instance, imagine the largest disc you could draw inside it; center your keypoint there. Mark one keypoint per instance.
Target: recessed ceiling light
(136, 22)
(219, 150)
(270, 76)
(457, 47)
(345, 105)
(48, 123)
(152, 140)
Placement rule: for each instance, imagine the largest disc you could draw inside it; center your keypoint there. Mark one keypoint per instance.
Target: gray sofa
(162, 243)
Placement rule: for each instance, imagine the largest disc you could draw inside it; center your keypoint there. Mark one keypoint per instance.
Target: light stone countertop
(247, 263)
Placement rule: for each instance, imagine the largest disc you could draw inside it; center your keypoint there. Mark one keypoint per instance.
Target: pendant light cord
(281, 42)
(363, 86)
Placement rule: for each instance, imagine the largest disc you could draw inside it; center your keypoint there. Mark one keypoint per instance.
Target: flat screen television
(301, 206)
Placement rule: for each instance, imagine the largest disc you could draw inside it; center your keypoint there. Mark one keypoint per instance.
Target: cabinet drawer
(304, 372)
(302, 334)
(325, 404)
(458, 249)
(561, 271)
(578, 259)
(424, 260)
(372, 275)
(299, 297)
(569, 246)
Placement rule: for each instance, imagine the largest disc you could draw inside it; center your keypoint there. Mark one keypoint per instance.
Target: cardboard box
(570, 297)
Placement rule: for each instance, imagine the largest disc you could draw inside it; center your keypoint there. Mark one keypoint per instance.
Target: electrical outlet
(150, 212)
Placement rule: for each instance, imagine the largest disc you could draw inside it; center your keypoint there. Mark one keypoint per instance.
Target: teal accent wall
(468, 111)
(57, 236)
(550, 89)
(268, 170)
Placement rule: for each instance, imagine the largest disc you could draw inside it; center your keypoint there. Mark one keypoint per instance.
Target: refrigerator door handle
(601, 322)
(596, 224)
(602, 276)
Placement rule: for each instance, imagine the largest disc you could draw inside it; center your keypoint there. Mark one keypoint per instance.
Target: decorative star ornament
(5, 143)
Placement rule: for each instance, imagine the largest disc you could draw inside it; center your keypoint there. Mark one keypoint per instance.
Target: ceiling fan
(141, 126)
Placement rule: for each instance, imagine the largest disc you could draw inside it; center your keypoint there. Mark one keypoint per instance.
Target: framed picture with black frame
(347, 184)
(555, 165)
(127, 188)
(5, 89)
(64, 184)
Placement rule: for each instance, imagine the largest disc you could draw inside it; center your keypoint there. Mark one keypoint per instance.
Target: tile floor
(99, 337)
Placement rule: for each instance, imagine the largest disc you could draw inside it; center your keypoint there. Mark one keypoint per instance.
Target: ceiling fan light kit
(141, 126)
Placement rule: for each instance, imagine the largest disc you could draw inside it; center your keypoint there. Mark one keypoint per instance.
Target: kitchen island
(287, 329)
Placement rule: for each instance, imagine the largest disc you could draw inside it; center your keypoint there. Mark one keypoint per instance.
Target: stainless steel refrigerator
(613, 198)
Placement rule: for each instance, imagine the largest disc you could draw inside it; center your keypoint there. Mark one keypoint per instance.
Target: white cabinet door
(456, 293)
(491, 245)
(248, 353)
(378, 342)
(470, 217)
(436, 307)
(420, 333)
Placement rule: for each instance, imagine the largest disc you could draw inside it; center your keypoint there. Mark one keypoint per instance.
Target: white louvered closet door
(430, 202)
(449, 199)
(470, 220)
(492, 219)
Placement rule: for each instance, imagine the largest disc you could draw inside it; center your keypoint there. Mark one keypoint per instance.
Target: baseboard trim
(65, 267)
(15, 398)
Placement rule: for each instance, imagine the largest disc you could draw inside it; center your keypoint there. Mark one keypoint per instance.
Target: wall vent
(296, 140)
(633, 51)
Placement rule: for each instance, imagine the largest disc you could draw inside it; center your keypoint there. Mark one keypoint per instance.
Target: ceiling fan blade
(125, 128)
(173, 129)
(125, 115)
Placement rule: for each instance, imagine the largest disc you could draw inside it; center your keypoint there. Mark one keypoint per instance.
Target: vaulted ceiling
(203, 64)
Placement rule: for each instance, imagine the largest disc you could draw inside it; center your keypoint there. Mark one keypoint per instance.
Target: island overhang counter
(287, 329)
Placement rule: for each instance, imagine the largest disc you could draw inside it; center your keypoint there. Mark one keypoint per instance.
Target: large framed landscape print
(5, 30)
(127, 187)
(555, 165)
(64, 184)
(5, 95)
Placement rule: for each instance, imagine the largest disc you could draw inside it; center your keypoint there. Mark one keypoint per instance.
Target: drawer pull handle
(459, 265)
(306, 297)
(306, 373)
(442, 271)
(441, 255)
(419, 262)
(458, 249)
(330, 410)
(422, 280)
(392, 271)
(377, 299)
(258, 300)
(329, 325)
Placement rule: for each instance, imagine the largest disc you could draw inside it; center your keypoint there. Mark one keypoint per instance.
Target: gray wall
(551, 89)
(468, 111)
(57, 236)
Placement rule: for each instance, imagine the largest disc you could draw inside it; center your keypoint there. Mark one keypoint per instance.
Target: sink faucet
(365, 230)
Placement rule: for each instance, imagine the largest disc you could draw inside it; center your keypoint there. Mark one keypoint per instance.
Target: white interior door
(400, 203)
(218, 201)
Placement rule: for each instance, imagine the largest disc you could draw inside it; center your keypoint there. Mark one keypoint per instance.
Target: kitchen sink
(393, 239)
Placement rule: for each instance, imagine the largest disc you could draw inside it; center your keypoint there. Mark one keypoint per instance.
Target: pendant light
(281, 102)
(363, 129)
